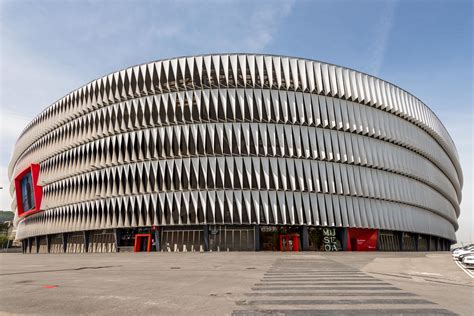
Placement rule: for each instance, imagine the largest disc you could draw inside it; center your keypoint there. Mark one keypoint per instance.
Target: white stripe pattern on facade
(314, 143)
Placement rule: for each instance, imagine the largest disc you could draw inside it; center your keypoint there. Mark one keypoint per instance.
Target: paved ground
(235, 283)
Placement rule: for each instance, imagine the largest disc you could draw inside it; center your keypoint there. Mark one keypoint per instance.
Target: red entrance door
(142, 243)
(289, 242)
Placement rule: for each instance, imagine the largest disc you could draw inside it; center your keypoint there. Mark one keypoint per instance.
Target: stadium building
(236, 152)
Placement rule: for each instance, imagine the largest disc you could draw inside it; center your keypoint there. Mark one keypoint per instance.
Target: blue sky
(49, 48)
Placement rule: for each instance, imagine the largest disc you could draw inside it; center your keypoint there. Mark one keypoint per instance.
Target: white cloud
(265, 24)
(11, 126)
(27, 85)
(36, 71)
(382, 36)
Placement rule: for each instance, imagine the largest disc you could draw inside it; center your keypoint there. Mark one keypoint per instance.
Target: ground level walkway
(239, 283)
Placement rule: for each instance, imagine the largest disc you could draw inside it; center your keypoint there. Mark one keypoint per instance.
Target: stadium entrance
(289, 242)
(142, 243)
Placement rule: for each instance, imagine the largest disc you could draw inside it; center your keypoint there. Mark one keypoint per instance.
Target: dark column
(117, 239)
(86, 241)
(24, 245)
(48, 242)
(256, 234)
(377, 246)
(37, 243)
(417, 239)
(428, 240)
(64, 242)
(157, 240)
(344, 239)
(206, 237)
(304, 238)
(400, 240)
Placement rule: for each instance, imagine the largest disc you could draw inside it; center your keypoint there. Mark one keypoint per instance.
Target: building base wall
(217, 238)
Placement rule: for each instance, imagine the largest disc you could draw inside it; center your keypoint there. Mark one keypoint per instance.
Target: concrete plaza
(239, 283)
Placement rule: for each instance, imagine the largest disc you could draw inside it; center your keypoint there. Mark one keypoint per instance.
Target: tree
(6, 216)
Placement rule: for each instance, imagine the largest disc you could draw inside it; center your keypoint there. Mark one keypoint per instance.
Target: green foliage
(6, 216)
(4, 241)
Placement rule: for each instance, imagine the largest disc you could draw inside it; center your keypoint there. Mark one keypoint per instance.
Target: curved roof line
(247, 54)
(445, 138)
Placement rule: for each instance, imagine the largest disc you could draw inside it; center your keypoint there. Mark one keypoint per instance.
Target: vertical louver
(241, 139)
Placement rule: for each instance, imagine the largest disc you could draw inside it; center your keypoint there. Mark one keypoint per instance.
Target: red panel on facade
(289, 242)
(361, 239)
(28, 192)
(138, 242)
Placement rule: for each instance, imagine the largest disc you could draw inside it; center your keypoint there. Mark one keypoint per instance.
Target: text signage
(329, 239)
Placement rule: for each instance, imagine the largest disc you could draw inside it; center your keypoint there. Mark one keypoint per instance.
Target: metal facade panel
(382, 159)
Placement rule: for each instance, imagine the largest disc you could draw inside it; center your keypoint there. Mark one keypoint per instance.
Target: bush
(4, 241)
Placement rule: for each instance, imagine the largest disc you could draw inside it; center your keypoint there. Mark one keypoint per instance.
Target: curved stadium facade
(236, 152)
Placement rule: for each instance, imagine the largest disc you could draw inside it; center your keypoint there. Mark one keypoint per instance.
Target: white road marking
(424, 273)
(469, 273)
(428, 273)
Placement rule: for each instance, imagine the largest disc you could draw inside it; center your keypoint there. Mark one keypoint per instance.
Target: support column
(117, 234)
(400, 240)
(86, 241)
(417, 239)
(377, 246)
(157, 240)
(37, 245)
(206, 237)
(48, 243)
(256, 233)
(64, 242)
(304, 239)
(345, 240)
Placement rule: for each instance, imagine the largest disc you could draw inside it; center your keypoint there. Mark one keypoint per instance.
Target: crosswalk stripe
(325, 283)
(342, 312)
(377, 301)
